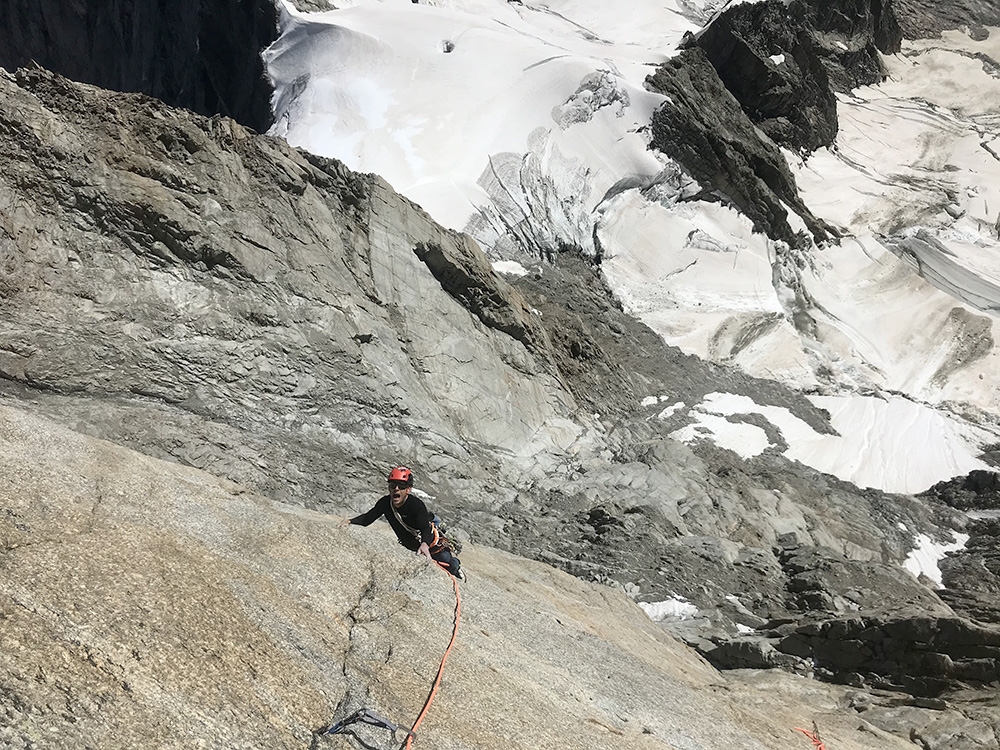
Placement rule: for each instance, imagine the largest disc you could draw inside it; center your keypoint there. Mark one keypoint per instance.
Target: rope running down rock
(440, 672)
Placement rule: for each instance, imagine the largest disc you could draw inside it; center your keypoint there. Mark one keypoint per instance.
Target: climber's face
(398, 493)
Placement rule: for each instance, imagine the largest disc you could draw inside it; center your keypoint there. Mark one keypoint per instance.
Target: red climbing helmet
(402, 475)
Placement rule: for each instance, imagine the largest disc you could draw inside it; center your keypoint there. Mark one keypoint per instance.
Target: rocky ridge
(760, 77)
(705, 128)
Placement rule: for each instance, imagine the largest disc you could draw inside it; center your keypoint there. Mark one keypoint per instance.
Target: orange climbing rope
(814, 736)
(437, 680)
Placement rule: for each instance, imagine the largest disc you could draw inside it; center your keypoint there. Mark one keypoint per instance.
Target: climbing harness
(363, 715)
(440, 541)
(814, 736)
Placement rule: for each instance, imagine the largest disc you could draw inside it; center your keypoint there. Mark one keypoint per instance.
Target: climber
(416, 527)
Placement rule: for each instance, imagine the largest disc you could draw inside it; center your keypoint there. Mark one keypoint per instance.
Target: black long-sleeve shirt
(411, 521)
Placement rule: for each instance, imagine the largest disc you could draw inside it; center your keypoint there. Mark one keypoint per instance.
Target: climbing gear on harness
(441, 541)
(364, 716)
(440, 673)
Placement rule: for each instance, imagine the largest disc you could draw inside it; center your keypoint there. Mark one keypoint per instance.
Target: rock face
(199, 263)
(923, 655)
(145, 604)
(767, 62)
(188, 288)
(926, 18)
(199, 54)
(972, 574)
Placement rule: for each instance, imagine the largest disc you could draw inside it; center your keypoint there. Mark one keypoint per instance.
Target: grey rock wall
(215, 283)
(149, 605)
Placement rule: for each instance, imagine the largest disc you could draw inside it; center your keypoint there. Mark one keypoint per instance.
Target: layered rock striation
(218, 284)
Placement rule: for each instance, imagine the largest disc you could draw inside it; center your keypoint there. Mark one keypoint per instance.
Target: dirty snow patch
(892, 444)
(510, 267)
(928, 553)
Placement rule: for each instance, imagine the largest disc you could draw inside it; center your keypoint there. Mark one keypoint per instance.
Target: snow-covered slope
(524, 124)
(445, 100)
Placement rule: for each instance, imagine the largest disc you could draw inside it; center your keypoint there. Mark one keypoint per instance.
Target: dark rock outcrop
(848, 35)
(972, 574)
(776, 67)
(481, 292)
(768, 62)
(783, 61)
(977, 490)
(704, 128)
(203, 55)
(919, 654)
